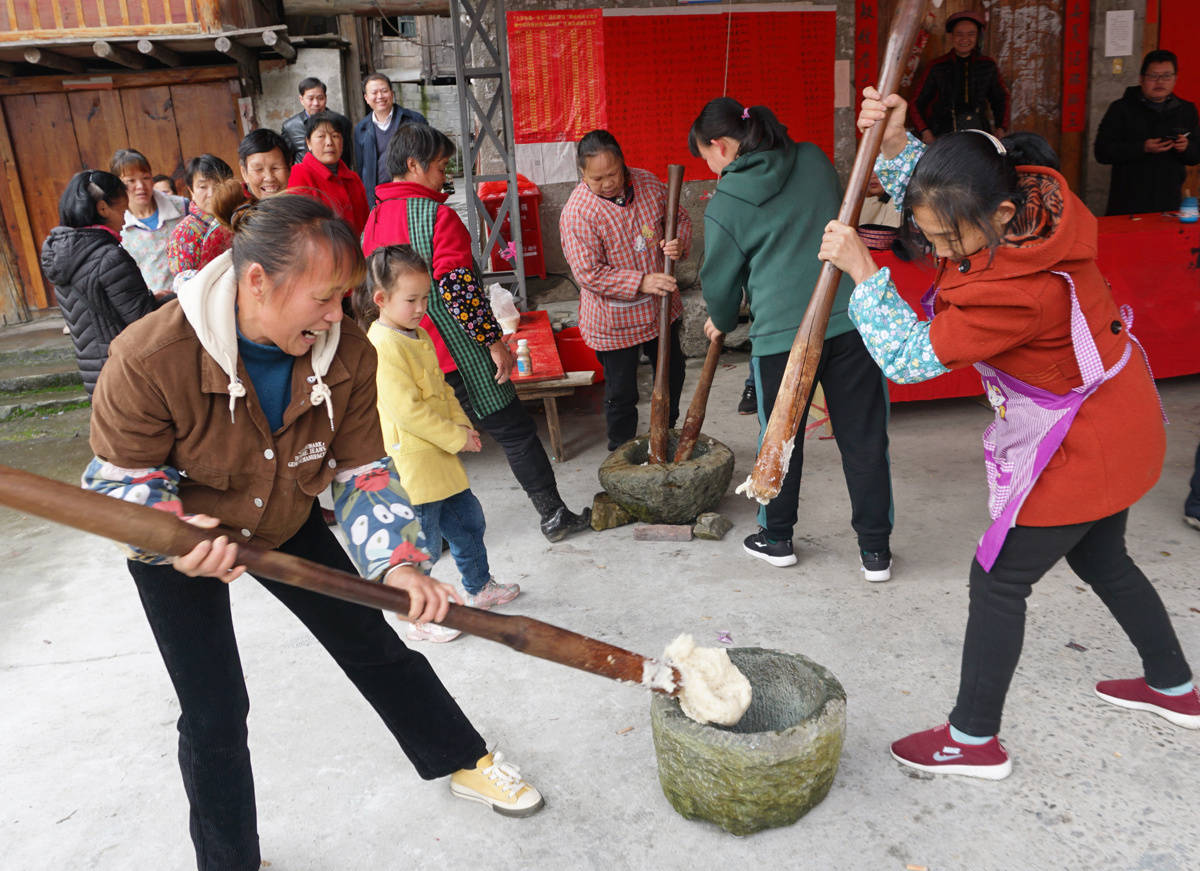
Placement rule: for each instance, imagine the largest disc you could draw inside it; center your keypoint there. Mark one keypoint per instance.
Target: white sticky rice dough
(712, 690)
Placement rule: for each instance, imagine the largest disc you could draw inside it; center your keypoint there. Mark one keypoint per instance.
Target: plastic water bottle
(1189, 210)
(524, 358)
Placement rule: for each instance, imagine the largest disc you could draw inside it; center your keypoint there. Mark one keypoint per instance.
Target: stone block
(771, 768)
(662, 532)
(667, 492)
(607, 514)
(711, 526)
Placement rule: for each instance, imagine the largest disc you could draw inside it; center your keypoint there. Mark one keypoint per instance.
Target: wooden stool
(549, 392)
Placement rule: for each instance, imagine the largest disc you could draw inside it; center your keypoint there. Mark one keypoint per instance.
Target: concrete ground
(88, 719)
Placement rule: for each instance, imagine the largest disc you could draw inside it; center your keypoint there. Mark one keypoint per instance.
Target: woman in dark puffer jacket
(98, 285)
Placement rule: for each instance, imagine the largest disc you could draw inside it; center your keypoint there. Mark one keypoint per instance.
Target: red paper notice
(556, 64)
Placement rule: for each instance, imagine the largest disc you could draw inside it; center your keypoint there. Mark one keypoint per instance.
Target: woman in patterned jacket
(612, 236)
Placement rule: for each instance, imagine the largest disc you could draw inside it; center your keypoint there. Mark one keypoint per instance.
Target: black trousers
(1095, 551)
(621, 387)
(192, 625)
(858, 409)
(516, 432)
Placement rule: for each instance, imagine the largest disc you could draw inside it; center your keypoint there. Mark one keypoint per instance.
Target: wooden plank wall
(1025, 39)
(45, 138)
(97, 19)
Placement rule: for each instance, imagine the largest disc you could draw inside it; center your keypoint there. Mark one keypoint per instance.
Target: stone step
(41, 341)
(38, 375)
(41, 402)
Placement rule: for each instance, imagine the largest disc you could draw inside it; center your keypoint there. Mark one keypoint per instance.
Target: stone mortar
(772, 767)
(670, 492)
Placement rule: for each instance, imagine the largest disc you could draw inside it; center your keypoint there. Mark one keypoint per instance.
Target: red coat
(388, 225)
(1014, 315)
(340, 189)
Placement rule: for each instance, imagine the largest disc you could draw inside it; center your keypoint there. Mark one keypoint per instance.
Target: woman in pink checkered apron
(1078, 431)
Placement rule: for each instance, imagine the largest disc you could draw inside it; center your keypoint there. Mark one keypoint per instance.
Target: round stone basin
(667, 492)
(772, 767)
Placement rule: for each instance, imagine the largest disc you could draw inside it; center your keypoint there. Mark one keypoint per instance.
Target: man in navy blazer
(374, 132)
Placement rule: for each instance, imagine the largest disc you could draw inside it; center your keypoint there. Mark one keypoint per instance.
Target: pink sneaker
(934, 750)
(492, 594)
(434, 632)
(1135, 693)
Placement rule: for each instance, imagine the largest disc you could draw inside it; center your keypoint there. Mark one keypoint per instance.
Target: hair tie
(1000, 149)
(746, 113)
(236, 218)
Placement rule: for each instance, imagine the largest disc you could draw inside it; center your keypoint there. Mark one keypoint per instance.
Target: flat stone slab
(662, 532)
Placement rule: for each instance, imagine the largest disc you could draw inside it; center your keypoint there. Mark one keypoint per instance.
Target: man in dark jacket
(373, 133)
(1149, 136)
(312, 98)
(959, 87)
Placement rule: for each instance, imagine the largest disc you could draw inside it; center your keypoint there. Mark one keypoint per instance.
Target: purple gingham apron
(1031, 424)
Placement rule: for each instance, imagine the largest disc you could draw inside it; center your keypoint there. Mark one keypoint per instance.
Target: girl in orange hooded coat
(1078, 435)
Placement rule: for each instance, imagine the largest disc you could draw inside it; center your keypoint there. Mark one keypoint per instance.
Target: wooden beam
(41, 57)
(118, 55)
(160, 53)
(328, 8)
(146, 78)
(240, 53)
(102, 32)
(279, 41)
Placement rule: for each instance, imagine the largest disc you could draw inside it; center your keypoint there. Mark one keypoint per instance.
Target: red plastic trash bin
(529, 196)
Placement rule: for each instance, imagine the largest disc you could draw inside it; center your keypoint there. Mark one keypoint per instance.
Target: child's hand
(842, 247)
(876, 108)
(474, 445)
(428, 600)
(673, 249)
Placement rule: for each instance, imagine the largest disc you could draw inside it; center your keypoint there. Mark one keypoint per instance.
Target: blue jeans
(459, 520)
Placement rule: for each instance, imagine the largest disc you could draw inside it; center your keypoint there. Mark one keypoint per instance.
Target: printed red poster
(556, 69)
(1075, 65)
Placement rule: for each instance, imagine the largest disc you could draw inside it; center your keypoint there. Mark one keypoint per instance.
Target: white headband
(996, 142)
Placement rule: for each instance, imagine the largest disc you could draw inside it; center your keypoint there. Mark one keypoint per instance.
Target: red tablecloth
(1153, 265)
(535, 327)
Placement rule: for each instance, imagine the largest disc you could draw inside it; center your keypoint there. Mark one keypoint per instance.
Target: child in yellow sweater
(424, 427)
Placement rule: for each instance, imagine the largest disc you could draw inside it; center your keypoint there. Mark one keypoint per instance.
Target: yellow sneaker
(497, 783)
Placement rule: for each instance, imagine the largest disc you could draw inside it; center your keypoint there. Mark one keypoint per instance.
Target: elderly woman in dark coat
(98, 285)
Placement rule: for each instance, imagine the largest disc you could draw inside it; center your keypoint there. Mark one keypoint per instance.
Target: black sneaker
(877, 565)
(777, 553)
(748, 404)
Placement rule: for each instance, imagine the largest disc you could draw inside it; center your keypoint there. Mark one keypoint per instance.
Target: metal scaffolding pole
(480, 37)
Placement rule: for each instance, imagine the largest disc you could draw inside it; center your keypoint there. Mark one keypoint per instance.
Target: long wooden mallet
(159, 532)
(695, 413)
(776, 450)
(660, 400)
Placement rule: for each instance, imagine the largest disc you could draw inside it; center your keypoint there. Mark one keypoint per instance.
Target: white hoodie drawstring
(321, 393)
(236, 391)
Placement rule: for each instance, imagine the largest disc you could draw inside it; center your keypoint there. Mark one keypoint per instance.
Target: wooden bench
(549, 392)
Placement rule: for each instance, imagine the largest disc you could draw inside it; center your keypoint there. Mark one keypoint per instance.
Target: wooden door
(45, 138)
(47, 155)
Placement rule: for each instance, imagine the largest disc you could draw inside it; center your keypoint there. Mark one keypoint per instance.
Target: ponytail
(77, 205)
(384, 266)
(754, 128)
(227, 197)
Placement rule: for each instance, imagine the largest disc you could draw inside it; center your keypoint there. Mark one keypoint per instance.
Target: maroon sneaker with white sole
(1135, 693)
(935, 751)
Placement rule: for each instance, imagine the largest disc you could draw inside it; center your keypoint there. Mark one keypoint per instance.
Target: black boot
(558, 521)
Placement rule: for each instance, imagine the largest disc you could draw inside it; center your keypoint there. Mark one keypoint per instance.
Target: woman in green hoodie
(762, 231)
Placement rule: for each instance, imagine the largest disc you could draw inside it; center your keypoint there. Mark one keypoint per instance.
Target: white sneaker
(492, 594)
(434, 632)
